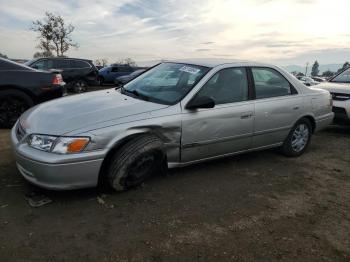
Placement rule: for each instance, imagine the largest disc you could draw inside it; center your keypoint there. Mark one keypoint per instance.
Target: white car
(308, 81)
(339, 87)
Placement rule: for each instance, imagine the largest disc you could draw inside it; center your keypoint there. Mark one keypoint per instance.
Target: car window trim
(66, 68)
(293, 90)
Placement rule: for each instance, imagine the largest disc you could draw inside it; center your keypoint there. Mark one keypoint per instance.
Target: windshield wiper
(134, 92)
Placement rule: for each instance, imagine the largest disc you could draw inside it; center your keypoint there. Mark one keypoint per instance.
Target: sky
(283, 32)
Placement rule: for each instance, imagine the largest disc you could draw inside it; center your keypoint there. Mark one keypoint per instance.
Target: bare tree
(44, 28)
(43, 54)
(126, 61)
(101, 62)
(54, 34)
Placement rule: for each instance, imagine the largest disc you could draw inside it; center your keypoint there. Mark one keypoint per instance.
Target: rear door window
(270, 83)
(80, 64)
(62, 64)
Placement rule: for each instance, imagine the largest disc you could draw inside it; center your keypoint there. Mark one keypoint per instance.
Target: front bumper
(53, 171)
(341, 110)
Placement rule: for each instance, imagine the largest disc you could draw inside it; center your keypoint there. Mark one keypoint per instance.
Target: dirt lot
(254, 207)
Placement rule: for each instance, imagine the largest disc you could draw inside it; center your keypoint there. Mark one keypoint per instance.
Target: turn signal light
(77, 145)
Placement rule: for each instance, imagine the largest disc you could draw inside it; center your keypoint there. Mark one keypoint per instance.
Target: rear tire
(136, 161)
(13, 104)
(298, 139)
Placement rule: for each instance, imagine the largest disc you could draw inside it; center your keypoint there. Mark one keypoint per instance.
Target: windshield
(166, 83)
(342, 77)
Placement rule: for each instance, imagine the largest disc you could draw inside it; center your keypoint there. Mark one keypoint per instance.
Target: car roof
(69, 58)
(217, 62)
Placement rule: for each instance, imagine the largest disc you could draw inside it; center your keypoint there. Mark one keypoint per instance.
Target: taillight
(57, 79)
(331, 101)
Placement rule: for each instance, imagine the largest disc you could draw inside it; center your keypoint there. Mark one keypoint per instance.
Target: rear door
(277, 106)
(83, 70)
(66, 67)
(224, 129)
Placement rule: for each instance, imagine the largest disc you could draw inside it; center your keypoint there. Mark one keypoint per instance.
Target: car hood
(335, 87)
(84, 111)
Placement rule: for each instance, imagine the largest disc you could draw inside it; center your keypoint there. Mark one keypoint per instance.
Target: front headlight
(59, 145)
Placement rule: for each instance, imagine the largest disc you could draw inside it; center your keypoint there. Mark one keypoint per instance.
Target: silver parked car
(174, 114)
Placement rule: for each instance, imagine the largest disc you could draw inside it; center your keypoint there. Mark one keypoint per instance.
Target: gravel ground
(259, 206)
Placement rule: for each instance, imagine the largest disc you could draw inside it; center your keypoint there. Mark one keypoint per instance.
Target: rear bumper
(324, 121)
(52, 93)
(56, 172)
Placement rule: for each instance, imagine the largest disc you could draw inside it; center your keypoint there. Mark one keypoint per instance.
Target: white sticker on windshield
(189, 69)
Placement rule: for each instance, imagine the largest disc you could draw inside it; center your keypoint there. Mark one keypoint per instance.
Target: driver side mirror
(200, 102)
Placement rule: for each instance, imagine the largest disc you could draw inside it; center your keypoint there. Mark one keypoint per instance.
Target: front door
(224, 129)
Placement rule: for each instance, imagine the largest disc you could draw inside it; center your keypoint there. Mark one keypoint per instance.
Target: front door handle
(296, 107)
(246, 115)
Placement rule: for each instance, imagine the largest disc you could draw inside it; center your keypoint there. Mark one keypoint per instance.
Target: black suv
(77, 73)
(22, 87)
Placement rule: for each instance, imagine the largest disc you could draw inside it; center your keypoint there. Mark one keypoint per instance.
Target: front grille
(20, 132)
(340, 96)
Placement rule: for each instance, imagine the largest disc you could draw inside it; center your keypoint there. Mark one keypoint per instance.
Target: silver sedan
(174, 114)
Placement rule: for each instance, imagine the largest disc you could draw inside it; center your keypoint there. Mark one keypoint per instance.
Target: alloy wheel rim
(300, 137)
(80, 86)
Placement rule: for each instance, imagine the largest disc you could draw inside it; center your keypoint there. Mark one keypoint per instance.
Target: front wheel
(135, 161)
(298, 139)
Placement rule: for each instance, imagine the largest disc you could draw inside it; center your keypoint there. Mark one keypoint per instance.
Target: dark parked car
(22, 87)
(109, 73)
(122, 80)
(77, 73)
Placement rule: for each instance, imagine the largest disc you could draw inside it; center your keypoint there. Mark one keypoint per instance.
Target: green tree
(345, 66)
(328, 73)
(315, 69)
(54, 34)
(3, 56)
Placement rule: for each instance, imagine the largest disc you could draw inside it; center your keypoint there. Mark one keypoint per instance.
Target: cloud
(267, 30)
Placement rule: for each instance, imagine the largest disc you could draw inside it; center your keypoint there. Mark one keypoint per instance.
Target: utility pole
(307, 65)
